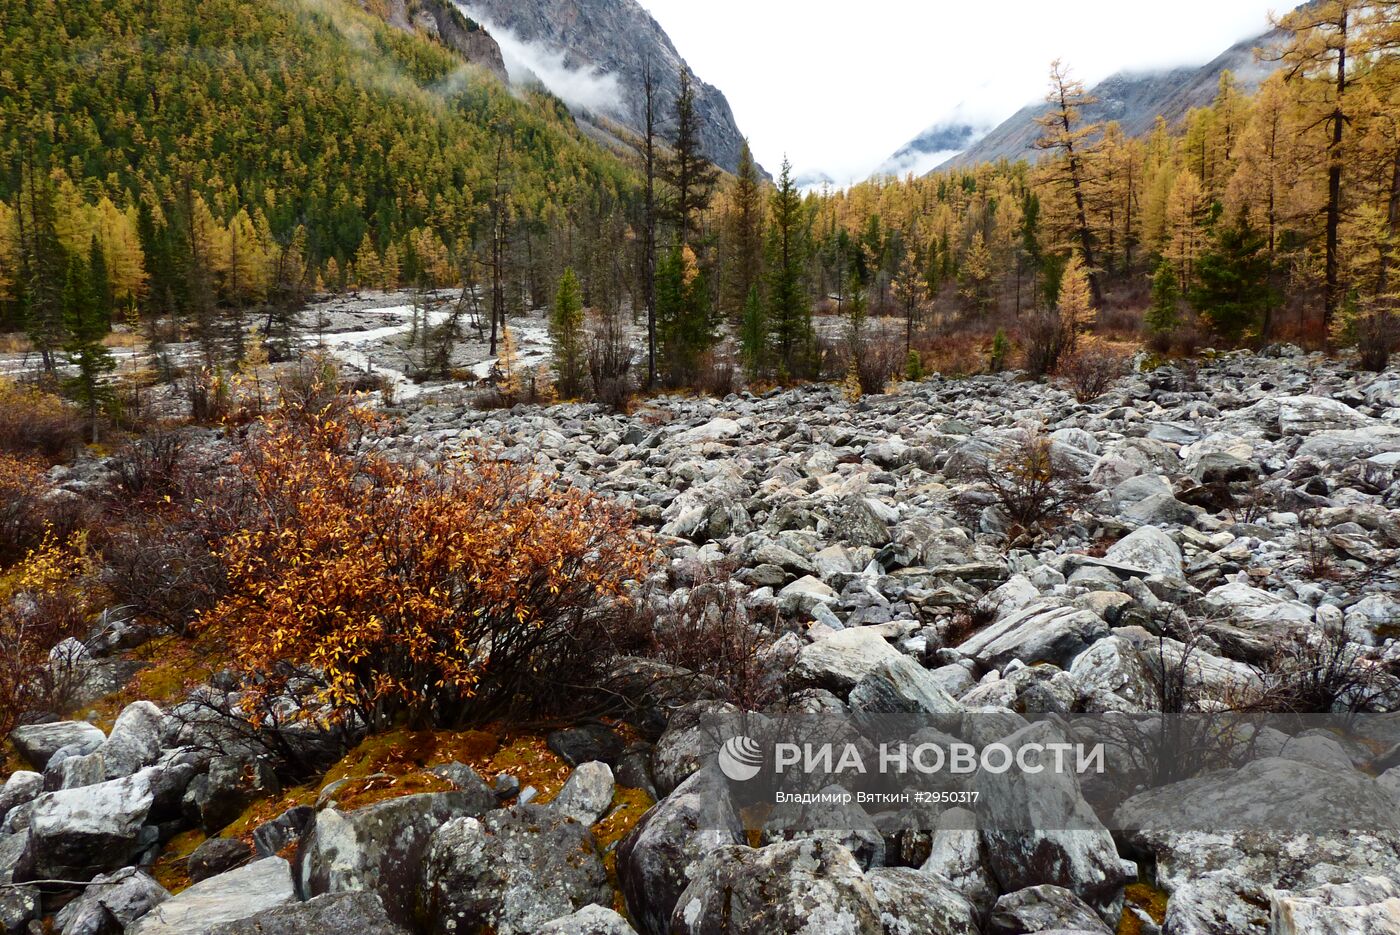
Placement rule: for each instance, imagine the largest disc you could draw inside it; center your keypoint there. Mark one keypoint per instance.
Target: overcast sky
(840, 86)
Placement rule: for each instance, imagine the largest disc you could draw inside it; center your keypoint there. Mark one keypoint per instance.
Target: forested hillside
(239, 148)
(1268, 215)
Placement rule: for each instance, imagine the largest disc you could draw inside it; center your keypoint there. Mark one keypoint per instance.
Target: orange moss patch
(527, 758)
(628, 807)
(171, 870)
(1149, 899)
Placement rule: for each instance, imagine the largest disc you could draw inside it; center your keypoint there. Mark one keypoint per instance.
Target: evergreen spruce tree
(1164, 316)
(753, 336)
(1232, 286)
(690, 175)
(684, 325)
(789, 311)
(566, 331)
(85, 325)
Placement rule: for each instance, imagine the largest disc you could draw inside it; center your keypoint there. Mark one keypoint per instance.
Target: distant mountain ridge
(1133, 99)
(600, 45)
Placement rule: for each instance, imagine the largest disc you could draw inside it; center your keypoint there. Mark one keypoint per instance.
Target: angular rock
(509, 872)
(22, 787)
(333, 914)
(899, 685)
(1041, 632)
(377, 849)
(1043, 909)
(216, 856)
(1370, 905)
(802, 596)
(37, 743)
(111, 904)
(590, 920)
(655, 857)
(784, 889)
(1069, 847)
(231, 785)
(230, 897)
(912, 903)
(579, 745)
(958, 856)
(587, 795)
(1150, 549)
(76, 834)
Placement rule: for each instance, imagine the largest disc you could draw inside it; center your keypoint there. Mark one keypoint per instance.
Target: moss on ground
(1147, 898)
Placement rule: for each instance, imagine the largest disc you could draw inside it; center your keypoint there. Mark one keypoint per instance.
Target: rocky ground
(1236, 509)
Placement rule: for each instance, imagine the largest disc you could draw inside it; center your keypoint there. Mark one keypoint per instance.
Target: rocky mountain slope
(608, 44)
(1236, 512)
(1133, 99)
(441, 20)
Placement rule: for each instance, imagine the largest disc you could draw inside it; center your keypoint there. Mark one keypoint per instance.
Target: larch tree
(1071, 143)
(743, 266)
(1323, 42)
(1076, 302)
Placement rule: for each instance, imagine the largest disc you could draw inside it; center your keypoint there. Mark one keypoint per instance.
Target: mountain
(312, 117)
(442, 21)
(1134, 99)
(592, 55)
(931, 147)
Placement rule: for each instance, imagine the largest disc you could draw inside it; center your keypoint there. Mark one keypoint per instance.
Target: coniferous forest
(441, 469)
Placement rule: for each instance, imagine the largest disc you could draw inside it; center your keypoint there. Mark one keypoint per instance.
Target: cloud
(840, 88)
(581, 88)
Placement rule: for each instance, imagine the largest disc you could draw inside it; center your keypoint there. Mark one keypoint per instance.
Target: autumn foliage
(412, 594)
(42, 604)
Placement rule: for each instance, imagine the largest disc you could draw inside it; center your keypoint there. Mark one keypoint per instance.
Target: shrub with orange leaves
(412, 594)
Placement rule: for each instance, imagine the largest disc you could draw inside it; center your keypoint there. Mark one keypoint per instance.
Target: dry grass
(15, 342)
(124, 339)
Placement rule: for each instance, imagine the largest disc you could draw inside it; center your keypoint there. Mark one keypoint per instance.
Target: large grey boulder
(590, 920)
(378, 849)
(913, 903)
(681, 829)
(1219, 878)
(845, 823)
(75, 834)
(231, 784)
(37, 743)
(839, 661)
(899, 685)
(229, 897)
(1041, 632)
(18, 907)
(134, 741)
(1304, 415)
(332, 914)
(1043, 909)
(801, 598)
(1249, 605)
(810, 887)
(111, 904)
(958, 856)
(1113, 675)
(1370, 905)
(1149, 549)
(1038, 829)
(509, 872)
